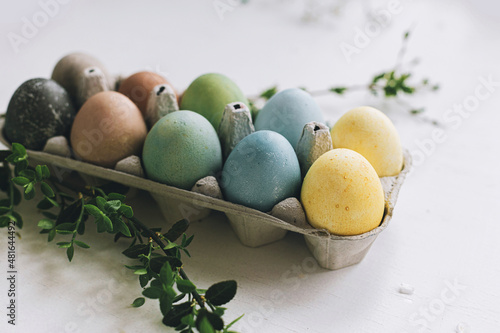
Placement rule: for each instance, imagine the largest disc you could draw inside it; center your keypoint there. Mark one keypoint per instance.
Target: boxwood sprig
(158, 256)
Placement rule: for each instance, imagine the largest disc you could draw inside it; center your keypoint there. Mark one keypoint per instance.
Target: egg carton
(253, 228)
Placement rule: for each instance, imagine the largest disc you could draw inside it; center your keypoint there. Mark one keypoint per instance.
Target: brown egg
(108, 128)
(138, 86)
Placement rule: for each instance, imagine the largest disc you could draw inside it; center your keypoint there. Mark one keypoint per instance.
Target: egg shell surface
(343, 194)
(38, 110)
(181, 148)
(209, 94)
(138, 86)
(287, 113)
(371, 133)
(108, 128)
(261, 171)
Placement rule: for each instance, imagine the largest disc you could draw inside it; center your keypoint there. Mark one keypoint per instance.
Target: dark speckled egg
(38, 110)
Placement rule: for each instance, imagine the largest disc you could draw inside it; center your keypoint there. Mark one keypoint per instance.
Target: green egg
(181, 148)
(209, 94)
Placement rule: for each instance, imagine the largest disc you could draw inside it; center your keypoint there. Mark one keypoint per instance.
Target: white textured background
(446, 225)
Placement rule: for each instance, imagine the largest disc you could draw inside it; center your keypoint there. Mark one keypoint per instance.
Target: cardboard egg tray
(254, 228)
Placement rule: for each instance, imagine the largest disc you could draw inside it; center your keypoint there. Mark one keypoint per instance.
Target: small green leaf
(45, 172)
(122, 227)
(101, 203)
(4, 210)
(417, 111)
(270, 92)
(38, 172)
(19, 219)
(134, 251)
(47, 190)
(152, 292)
(143, 280)
(138, 302)
(170, 245)
(222, 292)
(113, 205)
(93, 210)
(126, 211)
(70, 252)
(166, 300)
(29, 191)
(215, 320)
(188, 241)
(66, 227)
(141, 271)
(4, 221)
(338, 90)
(64, 244)
(81, 244)
(18, 149)
(65, 232)
(52, 234)
(203, 324)
(21, 181)
(180, 314)
(100, 224)
(185, 286)
(116, 196)
(107, 223)
(46, 224)
(166, 274)
(177, 230)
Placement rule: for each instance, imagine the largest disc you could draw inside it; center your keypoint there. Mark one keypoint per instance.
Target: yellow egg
(371, 133)
(343, 194)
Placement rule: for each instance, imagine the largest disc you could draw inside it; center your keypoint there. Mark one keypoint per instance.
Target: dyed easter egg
(181, 148)
(138, 87)
(343, 194)
(38, 110)
(287, 112)
(209, 94)
(371, 133)
(261, 171)
(108, 128)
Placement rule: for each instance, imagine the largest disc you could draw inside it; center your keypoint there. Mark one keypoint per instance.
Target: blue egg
(261, 171)
(287, 112)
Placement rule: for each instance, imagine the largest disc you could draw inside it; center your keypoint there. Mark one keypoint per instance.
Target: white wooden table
(443, 239)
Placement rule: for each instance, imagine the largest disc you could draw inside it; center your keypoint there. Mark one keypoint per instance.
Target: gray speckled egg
(38, 110)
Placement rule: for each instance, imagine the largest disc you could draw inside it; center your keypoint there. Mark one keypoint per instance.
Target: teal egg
(181, 148)
(261, 171)
(287, 112)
